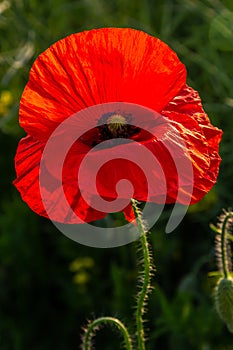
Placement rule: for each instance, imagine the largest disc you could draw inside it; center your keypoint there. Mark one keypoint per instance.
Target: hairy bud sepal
(224, 301)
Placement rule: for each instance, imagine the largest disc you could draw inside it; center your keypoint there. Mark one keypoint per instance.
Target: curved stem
(93, 326)
(145, 286)
(224, 234)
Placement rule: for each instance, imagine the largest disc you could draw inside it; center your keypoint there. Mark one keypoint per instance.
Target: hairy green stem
(224, 234)
(145, 286)
(93, 326)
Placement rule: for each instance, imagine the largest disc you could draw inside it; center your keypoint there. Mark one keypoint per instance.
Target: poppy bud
(224, 301)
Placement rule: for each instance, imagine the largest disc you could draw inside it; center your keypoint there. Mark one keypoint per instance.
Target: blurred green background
(49, 285)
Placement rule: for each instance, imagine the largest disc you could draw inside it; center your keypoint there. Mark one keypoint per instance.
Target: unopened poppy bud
(224, 301)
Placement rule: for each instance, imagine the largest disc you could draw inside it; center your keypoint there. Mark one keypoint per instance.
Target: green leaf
(221, 31)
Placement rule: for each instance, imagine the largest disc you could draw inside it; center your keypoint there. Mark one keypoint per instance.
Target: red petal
(97, 66)
(201, 137)
(27, 162)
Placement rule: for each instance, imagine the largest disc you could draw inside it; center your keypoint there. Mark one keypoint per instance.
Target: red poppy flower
(102, 66)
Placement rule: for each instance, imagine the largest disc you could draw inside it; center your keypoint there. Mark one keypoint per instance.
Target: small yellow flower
(6, 100)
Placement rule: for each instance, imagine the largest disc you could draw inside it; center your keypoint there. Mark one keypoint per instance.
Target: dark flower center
(111, 126)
